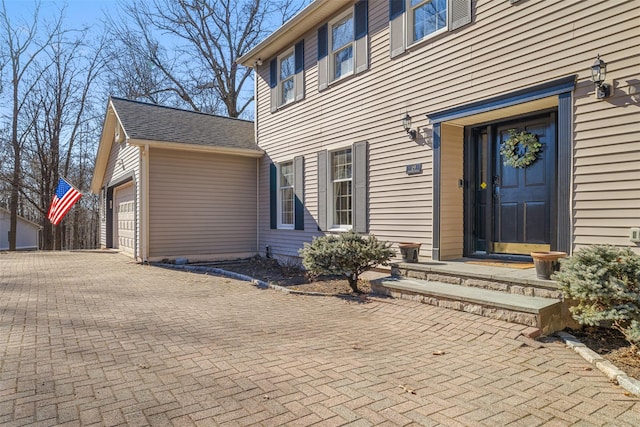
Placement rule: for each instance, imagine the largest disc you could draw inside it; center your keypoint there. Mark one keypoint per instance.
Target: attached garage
(176, 183)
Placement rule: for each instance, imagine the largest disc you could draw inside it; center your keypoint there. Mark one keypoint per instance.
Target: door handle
(496, 185)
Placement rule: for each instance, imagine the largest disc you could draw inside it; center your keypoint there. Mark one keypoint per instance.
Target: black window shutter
(396, 8)
(361, 19)
(273, 73)
(298, 189)
(299, 54)
(323, 41)
(273, 196)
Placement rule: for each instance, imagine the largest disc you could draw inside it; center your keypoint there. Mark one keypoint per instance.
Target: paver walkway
(93, 338)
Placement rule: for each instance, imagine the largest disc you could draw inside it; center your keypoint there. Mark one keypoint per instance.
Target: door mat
(505, 264)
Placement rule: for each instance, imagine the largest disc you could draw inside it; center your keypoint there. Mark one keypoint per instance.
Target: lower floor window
(342, 186)
(285, 188)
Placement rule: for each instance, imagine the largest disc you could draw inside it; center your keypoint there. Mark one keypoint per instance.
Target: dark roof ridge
(177, 109)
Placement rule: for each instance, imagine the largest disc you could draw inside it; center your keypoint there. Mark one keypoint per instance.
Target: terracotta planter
(547, 263)
(409, 251)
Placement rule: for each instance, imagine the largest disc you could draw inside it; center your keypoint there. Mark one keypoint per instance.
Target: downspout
(144, 208)
(255, 133)
(258, 206)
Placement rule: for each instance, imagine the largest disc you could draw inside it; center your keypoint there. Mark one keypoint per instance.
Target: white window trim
(280, 224)
(330, 199)
(409, 25)
(290, 51)
(330, 52)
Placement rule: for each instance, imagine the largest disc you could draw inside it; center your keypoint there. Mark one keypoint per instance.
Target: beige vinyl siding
(201, 204)
(124, 160)
(451, 195)
(607, 163)
(507, 47)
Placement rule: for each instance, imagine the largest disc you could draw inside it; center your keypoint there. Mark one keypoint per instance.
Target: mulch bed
(292, 277)
(609, 343)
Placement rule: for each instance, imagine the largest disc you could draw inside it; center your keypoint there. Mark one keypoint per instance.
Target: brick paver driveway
(93, 338)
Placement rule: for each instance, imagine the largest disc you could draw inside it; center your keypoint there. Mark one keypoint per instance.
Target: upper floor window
(427, 17)
(342, 41)
(287, 83)
(343, 46)
(286, 77)
(411, 21)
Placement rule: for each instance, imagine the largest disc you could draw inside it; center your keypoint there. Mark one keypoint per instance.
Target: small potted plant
(409, 251)
(547, 263)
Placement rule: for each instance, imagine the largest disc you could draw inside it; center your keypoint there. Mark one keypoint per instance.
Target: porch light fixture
(406, 124)
(598, 75)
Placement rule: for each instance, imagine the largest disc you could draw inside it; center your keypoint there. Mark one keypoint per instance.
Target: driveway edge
(219, 271)
(243, 277)
(609, 369)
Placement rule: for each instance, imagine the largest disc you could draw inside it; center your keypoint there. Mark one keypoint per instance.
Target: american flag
(64, 199)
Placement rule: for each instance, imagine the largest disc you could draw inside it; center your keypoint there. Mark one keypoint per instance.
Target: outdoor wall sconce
(598, 74)
(406, 124)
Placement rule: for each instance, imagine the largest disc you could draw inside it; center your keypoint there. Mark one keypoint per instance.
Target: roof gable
(139, 123)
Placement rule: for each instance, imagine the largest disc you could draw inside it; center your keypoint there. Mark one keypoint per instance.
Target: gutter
(247, 152)
(294, 26)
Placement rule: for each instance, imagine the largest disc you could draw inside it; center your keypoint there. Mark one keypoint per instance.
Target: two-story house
(389, 117)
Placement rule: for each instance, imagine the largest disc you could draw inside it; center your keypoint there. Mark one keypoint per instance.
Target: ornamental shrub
(348, 254)
(605, 283)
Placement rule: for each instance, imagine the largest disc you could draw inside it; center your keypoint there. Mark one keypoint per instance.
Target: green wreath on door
(510, 151)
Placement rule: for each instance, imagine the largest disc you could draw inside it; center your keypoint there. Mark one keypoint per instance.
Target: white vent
(634, 235)
(118, 136)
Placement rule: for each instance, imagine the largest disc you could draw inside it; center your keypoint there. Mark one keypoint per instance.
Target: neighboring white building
(28, 232)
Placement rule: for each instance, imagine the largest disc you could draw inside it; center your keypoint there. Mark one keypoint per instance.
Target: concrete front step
(514, 281)
(545, 314)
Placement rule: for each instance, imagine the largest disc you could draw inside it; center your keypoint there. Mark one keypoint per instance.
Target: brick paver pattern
(92, 338)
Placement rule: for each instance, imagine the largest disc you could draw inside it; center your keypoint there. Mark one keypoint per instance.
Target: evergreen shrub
(604, 281)
(348, 254)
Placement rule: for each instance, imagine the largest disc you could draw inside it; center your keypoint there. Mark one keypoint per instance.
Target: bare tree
(61, 111)
(22, 50)
(184, 52)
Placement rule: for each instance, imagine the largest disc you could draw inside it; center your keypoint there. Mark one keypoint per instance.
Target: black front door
(511, 208)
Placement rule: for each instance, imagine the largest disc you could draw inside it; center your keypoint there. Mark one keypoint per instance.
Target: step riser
(494, 285)
(547, 321)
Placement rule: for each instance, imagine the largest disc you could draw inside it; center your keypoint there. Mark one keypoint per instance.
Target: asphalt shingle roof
(158, 123)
